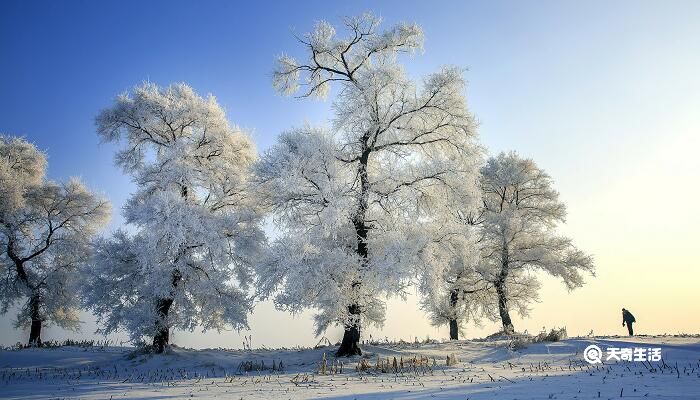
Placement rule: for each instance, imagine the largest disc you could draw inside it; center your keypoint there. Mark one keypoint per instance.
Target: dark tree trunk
(35, 330)
(34, 301)
(162, 337)
(502, 292)
(454, 330)
(508, 328)
(350, 346)
(454, 326)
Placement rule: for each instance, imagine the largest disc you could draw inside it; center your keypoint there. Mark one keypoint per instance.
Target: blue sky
(603, 95)
(64, 61)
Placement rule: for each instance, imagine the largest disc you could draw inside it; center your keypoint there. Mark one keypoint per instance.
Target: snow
(486, 370)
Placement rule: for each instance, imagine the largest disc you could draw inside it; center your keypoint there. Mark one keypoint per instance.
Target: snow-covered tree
(356, 204)
(452, 291)
(195, 230)
(45, 233)
(517, 234)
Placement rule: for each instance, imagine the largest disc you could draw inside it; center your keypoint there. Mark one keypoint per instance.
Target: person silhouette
(628, 318)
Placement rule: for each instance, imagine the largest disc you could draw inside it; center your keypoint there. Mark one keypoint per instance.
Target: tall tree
(195, 229)
(357, 205)
(517, 234)
(45, 233)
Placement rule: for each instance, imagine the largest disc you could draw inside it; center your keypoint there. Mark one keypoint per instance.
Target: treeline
(395, 192)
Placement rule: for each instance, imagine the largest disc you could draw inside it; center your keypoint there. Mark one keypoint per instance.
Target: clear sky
(603, 95)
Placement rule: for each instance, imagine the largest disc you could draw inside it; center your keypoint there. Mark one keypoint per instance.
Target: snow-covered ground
(486, 370)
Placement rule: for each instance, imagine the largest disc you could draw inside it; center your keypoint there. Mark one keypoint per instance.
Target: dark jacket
(627, 317)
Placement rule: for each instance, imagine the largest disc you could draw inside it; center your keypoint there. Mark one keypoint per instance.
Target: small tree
(517, 234)
(45, 233)
(452, 291)
(357, 205)
(195, 229)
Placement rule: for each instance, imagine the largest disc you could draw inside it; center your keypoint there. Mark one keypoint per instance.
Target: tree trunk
(502, 292)
(454, 326)
(162, 337)
(35, 330)
(454, 330)
(508, 328)
(34, 300)
(350, 346)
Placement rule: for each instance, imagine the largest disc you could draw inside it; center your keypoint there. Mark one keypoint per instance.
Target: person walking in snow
(628, 318)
